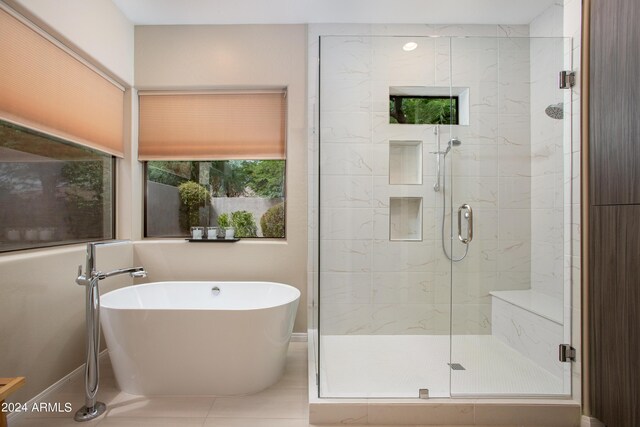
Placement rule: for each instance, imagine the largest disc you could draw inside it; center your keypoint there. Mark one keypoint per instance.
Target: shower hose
(444, 210)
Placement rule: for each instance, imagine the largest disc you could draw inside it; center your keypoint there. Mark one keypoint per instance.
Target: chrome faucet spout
(133, 272)
(139, 273)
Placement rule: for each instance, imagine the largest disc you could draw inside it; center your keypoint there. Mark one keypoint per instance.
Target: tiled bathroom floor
(283, 405)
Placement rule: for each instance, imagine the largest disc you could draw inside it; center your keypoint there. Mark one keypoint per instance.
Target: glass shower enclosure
(443, 173)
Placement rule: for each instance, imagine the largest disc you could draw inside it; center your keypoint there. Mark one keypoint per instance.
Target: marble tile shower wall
(547, 148)
(371, 285)
(495, 155)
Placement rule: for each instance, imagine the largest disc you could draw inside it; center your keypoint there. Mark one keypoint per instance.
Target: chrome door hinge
(566, 353)
(423, 393)
(567, 79)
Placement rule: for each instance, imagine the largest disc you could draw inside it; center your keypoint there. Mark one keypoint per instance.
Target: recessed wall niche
(405, 162)
(405, 218)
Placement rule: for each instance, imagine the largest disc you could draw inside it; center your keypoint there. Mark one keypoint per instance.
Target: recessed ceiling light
(408, 47)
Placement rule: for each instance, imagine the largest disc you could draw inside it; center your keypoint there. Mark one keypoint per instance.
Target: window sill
(213, 240)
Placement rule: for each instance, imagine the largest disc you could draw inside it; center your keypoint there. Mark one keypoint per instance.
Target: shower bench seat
(534, 302)
(531, 323)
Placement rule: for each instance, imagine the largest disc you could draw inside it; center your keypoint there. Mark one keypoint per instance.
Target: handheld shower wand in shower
(452, 143)
(441, 155)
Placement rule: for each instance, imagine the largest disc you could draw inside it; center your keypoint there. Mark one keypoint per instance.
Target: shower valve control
(468, 215)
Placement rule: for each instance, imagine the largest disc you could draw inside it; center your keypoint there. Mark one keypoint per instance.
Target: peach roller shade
(44, 87)
(212, 126)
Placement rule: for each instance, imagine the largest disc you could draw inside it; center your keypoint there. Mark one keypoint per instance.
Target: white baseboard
(590, 422)
(299, 337)
(42, 396)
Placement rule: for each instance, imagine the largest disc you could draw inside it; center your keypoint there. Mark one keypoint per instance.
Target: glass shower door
(443, 173)
(384, 286)
(509, 312)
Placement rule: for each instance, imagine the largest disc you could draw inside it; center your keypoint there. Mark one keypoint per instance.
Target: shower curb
(442, 412)
(445, 412)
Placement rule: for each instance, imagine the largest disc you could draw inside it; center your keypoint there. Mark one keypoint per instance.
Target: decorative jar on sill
(197, 233)
(229, 232)
(212, 233)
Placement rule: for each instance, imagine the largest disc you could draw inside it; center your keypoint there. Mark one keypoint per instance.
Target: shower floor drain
(456, 367)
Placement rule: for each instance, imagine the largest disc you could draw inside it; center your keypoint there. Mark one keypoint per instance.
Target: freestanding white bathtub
(198, 338)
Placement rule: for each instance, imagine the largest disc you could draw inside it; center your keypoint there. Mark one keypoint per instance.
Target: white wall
(96, 28)
(235, 56)
(42, 311)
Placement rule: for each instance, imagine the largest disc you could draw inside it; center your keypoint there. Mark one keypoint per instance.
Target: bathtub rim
(106, 306)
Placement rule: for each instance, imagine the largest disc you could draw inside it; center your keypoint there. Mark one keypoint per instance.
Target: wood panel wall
(614, 212)
(615, 315)
(615, 95)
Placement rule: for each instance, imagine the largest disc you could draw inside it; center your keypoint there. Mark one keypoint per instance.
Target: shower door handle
(468, 214)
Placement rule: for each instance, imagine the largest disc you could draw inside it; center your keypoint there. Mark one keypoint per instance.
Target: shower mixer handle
(468, 214)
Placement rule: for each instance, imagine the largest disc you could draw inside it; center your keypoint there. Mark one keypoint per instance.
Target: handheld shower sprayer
(441, 155)
(454, 142)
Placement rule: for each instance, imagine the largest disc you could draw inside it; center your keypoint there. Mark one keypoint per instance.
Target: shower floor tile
(392, 366)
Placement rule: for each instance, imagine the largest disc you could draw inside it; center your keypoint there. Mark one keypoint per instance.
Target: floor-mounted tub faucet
(92, 408)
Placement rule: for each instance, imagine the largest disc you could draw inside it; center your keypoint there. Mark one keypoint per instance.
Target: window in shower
(429, 105)
(423, 110)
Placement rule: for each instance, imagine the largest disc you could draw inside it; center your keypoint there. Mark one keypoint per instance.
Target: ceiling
(191, 12)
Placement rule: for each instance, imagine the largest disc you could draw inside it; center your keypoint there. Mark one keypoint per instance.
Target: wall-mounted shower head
(452, 143)
(555, 111)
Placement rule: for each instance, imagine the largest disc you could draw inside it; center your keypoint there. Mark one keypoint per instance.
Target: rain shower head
(555, 111)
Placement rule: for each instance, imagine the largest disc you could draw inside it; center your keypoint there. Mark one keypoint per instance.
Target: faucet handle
(80, 279)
